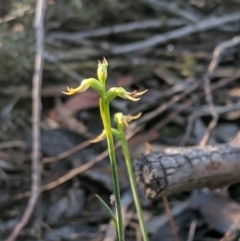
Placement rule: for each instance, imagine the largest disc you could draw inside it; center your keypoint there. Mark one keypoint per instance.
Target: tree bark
(174, 170)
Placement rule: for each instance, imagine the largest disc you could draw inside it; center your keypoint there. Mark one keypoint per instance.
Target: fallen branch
(174, 170)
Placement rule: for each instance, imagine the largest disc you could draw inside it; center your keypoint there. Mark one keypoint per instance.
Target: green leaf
(108, 210)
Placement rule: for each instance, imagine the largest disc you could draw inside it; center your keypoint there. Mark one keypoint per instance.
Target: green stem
(132, 179)
(105, 114)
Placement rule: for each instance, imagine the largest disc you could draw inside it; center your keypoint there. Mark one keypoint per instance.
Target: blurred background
(163, 46)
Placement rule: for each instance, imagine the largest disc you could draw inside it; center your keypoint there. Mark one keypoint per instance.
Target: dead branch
(174, 170)
(37, 83)
(203, 25)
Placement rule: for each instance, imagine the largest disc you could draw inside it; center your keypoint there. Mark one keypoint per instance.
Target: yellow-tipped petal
(67, 93)
(125, 119)
(130, 95)
(121, 92)
(136, 94)
(141, 93)
(133, 117)
(99, 138)
(105, 61)
(85, 84)
(133, 98)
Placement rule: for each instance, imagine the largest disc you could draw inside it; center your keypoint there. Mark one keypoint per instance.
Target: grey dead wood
(178, 169)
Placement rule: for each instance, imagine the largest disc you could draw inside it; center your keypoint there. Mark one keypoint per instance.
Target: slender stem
(105, 114)
(132, 180)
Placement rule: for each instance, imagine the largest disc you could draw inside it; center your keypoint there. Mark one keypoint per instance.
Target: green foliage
(15, 57)
(16, 43)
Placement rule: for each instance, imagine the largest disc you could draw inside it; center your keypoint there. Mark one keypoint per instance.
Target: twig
(37, 83)
(74, 172)
(203, 111)
(203, 25)
(165, 106)
(172, 7)
(69, 175)
(219, 50)
(121, 28)
(171, 220)
(152, 134)
(17, 14)
(215, 116)
(135, 226)
(66, 153)
(159, 221)
(217, 54)
(10, 144)
(192, 230)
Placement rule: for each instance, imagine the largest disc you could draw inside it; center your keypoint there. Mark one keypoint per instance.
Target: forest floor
(186, 53)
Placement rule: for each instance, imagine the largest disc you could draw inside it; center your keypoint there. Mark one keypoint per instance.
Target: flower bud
(125, 119)
(102, 70)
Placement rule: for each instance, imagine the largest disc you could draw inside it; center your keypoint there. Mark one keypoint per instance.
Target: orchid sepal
(85, 85)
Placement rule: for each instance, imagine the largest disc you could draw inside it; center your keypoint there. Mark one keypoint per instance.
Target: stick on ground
(37, 83)
(174, 170)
